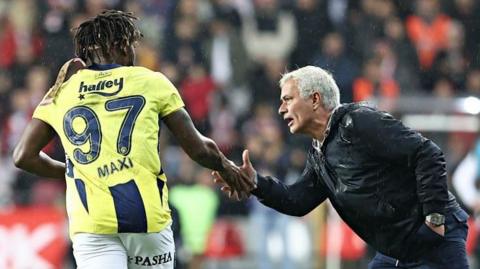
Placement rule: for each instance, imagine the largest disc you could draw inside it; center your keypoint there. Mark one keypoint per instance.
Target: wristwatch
(435, 219)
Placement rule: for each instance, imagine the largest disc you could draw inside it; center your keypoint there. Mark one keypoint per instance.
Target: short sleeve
(44, 112)
(169, 99)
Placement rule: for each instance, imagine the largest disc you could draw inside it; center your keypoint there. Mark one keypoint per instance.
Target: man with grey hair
(386, 181)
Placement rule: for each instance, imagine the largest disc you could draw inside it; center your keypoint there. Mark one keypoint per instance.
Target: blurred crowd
(226, 57)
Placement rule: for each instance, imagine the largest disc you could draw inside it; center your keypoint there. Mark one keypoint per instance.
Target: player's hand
(240, 185)
(75, 65)
(224, 186)
(68, 69)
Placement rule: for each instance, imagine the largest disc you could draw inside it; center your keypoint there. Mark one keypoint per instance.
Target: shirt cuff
(262, 185)
(433, 207)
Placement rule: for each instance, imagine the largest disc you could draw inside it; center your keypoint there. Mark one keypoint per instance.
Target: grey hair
(312, 79)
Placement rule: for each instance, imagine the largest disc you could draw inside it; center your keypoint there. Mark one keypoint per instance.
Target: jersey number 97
(92, 133)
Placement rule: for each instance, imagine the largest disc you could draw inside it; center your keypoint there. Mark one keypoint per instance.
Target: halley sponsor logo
(101, 87)
(151, 260)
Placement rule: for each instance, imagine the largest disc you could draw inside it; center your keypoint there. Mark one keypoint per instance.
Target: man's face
(295, 110)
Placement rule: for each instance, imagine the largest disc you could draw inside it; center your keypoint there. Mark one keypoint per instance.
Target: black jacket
(381, 177)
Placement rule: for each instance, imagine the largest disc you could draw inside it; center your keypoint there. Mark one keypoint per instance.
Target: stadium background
(419, 59)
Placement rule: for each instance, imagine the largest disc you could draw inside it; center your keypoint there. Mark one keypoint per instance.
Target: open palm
(248, 174)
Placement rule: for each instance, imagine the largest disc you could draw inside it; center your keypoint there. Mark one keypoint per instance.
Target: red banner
(32, 237)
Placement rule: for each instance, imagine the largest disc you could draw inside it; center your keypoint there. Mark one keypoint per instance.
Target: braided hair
(111, 30)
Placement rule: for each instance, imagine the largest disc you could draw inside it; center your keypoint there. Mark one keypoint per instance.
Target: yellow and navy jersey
(108, 121)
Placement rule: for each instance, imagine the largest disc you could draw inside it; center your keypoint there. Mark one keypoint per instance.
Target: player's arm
(297, 199)
(204, 151)
(28, 153)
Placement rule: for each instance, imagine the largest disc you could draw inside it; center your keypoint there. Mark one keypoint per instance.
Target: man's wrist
(225, 164)
(435, 219)
(255, 181)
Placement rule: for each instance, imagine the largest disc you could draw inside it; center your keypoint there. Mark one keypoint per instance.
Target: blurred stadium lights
(470, 105)
(442, 123)
(434, 114)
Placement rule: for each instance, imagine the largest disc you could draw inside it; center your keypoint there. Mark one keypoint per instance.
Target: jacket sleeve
(297, 199)
(390, 141)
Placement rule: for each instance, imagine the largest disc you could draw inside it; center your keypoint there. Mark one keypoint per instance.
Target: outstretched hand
(238, 185)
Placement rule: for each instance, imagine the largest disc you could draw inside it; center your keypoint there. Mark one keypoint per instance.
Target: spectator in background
(334, 58)
(466, 184)
(197, 89)
(269, 33)
(443, 88)
(28, 40)
(223, 123)
(406, 61)
(148, 50)
(226, 9)
(8, 47)
(428, 30)
(5, 91)
(183, 47)
(372, 85)
(338, 13)
(264, 138)
(312, 22)
(264, 81)
(12, 130)
(57, 21)
(466, 180)
(369, 26)
(18, 118)
(467, 12)
(37, 83)
(451, 62)
(226, 57)
(197, 205)
(224, 51)
(473, 83)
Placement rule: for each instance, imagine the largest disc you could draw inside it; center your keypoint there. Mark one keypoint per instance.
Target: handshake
(237, 181)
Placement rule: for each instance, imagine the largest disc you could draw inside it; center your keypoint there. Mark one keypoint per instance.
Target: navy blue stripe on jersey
(101, 67)
(129, 207)
(159, 120)
(69, 168)
(81, 192)
(160, 185)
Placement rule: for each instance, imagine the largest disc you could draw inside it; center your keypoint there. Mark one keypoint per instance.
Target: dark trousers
(449, 254)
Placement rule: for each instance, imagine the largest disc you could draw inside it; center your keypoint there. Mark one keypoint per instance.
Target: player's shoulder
(147, 73)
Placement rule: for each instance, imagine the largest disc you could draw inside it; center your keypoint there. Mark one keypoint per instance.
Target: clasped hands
(237, 181)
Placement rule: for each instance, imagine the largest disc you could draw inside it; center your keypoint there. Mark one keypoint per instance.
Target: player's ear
(316, 100)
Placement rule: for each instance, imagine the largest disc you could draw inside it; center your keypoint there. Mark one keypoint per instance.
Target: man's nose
(281, 109)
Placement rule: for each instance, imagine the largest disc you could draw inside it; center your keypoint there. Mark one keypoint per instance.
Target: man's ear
(316, 100)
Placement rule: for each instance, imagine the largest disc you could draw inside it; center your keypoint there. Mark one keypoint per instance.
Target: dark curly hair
(111, 30)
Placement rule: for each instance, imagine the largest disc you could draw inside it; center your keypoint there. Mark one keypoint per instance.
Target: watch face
(436, 219)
